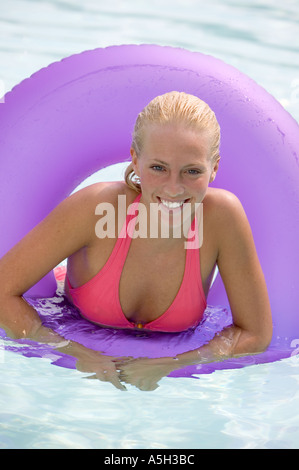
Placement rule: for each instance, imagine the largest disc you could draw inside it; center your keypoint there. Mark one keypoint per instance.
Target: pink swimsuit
(98, 299)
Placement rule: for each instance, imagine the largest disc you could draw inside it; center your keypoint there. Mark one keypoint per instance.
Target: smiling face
(174, 165)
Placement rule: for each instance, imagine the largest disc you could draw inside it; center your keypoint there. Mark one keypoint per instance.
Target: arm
(244, 281)
(64, 231)
(67, 229)
(245, 285)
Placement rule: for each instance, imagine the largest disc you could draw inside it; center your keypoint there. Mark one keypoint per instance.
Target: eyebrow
(160, 161)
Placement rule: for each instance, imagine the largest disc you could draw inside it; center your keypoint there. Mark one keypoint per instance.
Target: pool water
(46, 406)
(43, 406)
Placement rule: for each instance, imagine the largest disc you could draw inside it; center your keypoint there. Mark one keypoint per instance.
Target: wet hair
(174, 107)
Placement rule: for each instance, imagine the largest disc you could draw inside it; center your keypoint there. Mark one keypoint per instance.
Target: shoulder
(221, 199)
(103, 192)
(78, 210)
(223, 206)
(225, 216)
(99, 199)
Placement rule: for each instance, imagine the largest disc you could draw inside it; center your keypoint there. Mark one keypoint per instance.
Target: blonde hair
(174, 107)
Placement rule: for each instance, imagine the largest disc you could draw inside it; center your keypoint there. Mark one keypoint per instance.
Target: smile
(172, 204)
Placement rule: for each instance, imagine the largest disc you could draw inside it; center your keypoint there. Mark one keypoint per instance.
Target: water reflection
(127, 357)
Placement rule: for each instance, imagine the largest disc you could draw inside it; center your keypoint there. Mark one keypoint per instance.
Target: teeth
(172, 205)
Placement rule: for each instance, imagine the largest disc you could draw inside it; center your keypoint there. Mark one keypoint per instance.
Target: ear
(135, 161)
(214, 170)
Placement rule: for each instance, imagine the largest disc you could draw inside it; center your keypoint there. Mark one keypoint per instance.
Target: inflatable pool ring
(59, 126)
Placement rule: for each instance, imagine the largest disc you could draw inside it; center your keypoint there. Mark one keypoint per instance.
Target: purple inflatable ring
(76, 116)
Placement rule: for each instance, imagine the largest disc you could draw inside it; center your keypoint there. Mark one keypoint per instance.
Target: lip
(181, 201)
(177, 208)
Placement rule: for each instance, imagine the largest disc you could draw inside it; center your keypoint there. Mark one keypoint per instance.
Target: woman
(150, 282)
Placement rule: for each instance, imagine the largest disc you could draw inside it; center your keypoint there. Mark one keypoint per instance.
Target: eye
(194, 172)
(157, 168)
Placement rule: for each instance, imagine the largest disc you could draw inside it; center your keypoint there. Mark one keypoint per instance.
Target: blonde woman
(134, 279)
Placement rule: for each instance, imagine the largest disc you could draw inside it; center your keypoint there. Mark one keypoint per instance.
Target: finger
(107, 376)
(116, 382)
(122, 358)
(121, 374)
(123, 377)
(123, 361)
(90, 376)
(148, 387)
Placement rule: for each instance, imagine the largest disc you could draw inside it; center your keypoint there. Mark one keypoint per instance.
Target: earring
(135, 178)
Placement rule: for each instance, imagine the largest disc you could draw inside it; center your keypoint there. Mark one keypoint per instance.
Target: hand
(145, 373)
(102, 367)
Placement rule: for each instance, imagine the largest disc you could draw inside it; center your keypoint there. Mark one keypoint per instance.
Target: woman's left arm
(246, 289)
(245, 286)
(244, 280)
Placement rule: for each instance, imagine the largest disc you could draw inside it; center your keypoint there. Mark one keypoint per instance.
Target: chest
(150, 281)
(150, 278)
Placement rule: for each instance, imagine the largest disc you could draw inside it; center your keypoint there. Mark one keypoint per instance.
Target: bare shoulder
(227, 223)
(220, 200)
(224, 210)
(103, 192)
(68, 228)
(95, 200)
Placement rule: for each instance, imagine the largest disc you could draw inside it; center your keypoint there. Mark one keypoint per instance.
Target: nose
(174, 187)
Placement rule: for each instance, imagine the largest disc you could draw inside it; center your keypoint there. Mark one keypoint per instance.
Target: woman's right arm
(68, 228)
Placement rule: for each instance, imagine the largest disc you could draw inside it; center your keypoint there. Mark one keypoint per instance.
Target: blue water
(45, 406)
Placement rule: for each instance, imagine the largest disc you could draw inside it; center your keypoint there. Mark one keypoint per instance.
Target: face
(174, 166)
